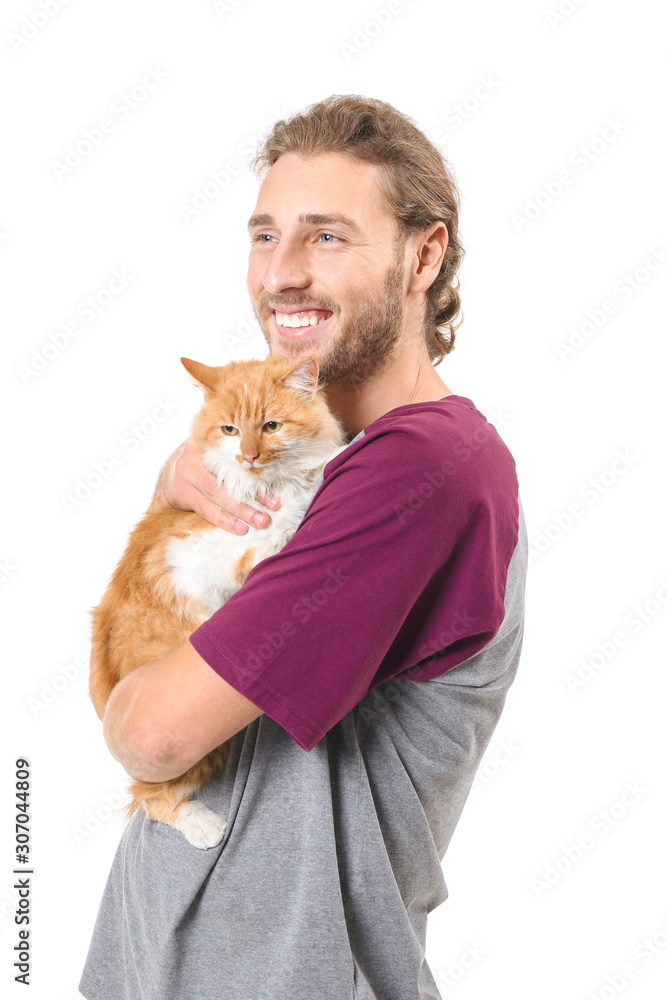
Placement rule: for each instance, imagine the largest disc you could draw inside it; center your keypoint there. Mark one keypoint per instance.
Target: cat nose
(251, 458)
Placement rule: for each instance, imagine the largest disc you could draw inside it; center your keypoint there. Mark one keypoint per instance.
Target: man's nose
(286, 267)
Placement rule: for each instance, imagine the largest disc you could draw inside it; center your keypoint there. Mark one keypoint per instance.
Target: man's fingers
(195, 488)
(264, 499)
(208, 484)
(215, 515)
(215, 505)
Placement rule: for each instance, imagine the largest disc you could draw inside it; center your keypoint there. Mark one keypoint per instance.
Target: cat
(264, 428)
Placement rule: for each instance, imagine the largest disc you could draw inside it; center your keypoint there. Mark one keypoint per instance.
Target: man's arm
(335, 620)
(168, 714)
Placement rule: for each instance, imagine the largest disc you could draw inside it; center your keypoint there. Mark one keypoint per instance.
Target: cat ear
(204, 376)
(303, 377)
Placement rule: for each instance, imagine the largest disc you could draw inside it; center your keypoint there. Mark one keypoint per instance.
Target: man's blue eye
(267, 237)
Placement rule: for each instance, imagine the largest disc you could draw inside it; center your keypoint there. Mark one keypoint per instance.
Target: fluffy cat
(264, 428)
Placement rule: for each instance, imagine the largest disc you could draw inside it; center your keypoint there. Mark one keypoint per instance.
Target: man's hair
(416, 179)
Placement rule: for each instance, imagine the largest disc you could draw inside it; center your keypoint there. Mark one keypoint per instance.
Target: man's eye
(330, 235)
(262, 238)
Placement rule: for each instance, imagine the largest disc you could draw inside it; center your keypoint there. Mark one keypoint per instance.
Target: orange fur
(140, 619)
(141, 616)
(241, 568)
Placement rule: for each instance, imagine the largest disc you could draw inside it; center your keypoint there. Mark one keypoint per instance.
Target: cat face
(262, 420)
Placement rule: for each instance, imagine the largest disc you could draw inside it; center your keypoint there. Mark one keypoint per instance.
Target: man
(360, 672)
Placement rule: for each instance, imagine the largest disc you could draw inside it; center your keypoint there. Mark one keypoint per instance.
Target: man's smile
(294, 322)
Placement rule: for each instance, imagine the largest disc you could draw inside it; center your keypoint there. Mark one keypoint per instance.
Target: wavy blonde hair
(416, 178)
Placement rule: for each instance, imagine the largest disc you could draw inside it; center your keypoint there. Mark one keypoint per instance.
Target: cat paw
(200, 826)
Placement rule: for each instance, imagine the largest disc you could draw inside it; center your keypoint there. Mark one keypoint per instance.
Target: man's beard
(363, 347)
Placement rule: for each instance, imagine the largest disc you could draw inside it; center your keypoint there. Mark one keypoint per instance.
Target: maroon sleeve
(402, 554)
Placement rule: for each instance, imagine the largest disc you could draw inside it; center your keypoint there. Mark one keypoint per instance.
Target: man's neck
(413, 380)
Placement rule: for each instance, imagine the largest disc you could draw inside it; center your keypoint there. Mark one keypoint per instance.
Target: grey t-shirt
(331, 860)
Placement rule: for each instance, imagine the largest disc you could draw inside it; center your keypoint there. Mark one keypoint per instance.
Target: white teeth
(293, 320)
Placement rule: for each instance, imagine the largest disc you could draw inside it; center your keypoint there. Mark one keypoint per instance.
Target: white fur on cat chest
(202, 562)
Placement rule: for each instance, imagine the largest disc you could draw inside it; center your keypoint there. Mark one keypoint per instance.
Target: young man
(360, 672)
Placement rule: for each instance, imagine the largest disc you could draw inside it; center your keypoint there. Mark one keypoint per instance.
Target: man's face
(325, 249)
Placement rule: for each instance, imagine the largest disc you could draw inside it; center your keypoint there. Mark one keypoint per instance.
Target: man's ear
(430, 252)
(205, 377)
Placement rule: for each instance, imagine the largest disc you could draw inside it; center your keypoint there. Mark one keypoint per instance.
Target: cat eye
(272, 425)
(229, 430)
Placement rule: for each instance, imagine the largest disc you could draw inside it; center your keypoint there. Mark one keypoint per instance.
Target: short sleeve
(397, 568)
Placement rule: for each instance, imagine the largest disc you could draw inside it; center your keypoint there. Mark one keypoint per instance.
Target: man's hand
(186, 484)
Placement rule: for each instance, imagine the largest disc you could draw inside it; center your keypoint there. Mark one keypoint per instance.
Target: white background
(523, 918)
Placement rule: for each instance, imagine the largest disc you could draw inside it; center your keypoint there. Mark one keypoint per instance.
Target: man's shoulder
(449, 437)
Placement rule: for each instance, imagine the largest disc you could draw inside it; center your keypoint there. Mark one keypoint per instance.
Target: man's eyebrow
(306, 218)
(260, 220)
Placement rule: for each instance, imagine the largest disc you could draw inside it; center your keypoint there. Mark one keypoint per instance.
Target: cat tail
(141, 791)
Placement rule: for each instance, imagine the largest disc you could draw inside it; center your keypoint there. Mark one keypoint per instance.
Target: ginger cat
(264, 429)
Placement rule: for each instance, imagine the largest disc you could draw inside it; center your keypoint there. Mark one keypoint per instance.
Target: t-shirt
(397, 570)
(380, 643)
